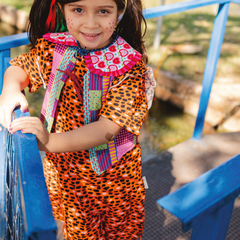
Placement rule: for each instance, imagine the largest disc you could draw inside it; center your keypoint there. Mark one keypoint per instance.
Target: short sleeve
(126, 102)
(37, 63)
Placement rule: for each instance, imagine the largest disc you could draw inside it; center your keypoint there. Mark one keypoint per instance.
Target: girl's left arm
(83, 138)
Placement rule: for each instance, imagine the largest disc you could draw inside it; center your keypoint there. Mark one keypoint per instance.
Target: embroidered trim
(113, 60)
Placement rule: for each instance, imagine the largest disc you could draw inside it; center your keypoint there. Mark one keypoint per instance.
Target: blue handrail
(25, 209)
(206, 203)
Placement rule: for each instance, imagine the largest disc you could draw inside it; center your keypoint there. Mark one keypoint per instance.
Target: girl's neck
(84, 51)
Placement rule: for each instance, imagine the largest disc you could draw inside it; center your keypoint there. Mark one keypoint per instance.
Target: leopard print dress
(92, 206)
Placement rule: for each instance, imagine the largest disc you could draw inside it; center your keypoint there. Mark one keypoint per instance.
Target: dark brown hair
(129, 28)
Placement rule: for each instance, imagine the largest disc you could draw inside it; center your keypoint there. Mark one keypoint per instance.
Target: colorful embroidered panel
(104, 156)
(63, 59)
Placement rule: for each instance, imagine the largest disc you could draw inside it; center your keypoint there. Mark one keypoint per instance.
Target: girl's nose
(90, 21)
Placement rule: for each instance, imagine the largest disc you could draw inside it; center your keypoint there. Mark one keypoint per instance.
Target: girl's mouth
(91, 37)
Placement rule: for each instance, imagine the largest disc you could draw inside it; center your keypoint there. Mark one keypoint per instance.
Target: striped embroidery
(112, 151)
(105, 88)
(87, 114)
(104, 159)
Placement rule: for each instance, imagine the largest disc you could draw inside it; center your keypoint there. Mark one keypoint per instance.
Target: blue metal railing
(218, 32)
(206, 204)
(25, 209)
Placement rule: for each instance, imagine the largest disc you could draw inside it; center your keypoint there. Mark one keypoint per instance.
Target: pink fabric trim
(61, 38)
(124, 148)
(119, 72)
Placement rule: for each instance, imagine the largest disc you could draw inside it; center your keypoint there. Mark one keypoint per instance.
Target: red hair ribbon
(51, 20)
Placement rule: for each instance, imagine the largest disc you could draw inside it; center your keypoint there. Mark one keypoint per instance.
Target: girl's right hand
(8, 101)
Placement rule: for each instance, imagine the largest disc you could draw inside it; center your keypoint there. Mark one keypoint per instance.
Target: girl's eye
(78, 10)
(103, 11)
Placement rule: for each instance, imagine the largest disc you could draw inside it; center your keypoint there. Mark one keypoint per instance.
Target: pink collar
(114, 60)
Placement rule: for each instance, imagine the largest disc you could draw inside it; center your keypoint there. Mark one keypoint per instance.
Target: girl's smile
(91, 22)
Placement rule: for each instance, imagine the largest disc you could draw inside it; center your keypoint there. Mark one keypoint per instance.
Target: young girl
(90, 55)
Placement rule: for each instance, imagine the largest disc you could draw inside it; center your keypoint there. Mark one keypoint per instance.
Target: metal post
(157, 39)
(211, 66)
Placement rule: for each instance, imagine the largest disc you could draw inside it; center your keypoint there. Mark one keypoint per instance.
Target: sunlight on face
(91, 22)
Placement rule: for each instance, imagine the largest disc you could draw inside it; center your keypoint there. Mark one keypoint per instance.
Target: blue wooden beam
(205, 195)
(180, 7)
(211, 66)
(37, 211)
(13, 41)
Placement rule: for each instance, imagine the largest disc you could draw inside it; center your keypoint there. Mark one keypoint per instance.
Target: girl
(90, 55)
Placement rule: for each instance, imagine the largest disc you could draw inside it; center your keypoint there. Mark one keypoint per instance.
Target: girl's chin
(91, 44)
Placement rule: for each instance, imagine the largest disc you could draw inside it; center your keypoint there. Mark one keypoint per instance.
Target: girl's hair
(129, 28)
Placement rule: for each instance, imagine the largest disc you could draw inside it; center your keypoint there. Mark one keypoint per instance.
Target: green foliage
(24, 5)
(194, 28)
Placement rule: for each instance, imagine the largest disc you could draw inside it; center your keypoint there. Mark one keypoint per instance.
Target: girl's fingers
(31, 130)
(25, 123)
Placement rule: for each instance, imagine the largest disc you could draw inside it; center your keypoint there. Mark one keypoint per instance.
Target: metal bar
(3, 54)
(211, 66)
(180, 7)
(157, 39)
(213, 226)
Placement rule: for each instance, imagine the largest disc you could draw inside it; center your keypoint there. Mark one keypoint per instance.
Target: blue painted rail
(197, 215)
(25, 209)
(206, 203)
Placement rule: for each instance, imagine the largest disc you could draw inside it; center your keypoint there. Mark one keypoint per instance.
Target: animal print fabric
(105, 207)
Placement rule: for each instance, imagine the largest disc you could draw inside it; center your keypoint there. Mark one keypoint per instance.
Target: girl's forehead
(96, 2)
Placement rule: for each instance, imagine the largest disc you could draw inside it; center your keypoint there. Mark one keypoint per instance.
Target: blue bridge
(203, 205)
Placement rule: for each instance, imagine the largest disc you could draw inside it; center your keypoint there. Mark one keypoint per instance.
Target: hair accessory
(61, 25)
(124, 10)
(51, 20)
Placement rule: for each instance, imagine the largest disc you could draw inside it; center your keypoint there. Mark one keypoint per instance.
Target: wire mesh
(14, 228)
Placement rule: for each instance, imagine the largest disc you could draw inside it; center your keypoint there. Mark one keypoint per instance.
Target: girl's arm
(15, 80)
(83, 138)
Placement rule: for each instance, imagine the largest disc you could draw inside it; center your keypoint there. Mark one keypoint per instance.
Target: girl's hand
(31, 125)
(7, 104)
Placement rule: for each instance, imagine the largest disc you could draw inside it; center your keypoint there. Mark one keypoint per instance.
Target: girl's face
(91, 22)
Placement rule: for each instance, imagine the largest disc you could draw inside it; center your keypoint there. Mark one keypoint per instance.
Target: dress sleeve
(37, 63)
(126, 102)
